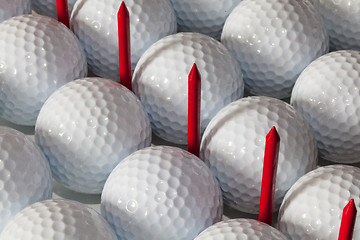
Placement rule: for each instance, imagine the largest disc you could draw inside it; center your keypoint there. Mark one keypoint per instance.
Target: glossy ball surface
(342, 20)
(273, 41)
(327, 94)
(161, 193)
(240, 229)
(37, 56)
(58, 219)
(11, 8)
(203, 16)
(313, 206)
(233, 147)
(94, 22)
(48, 7)
(25, 175)
(87, 127)
(161, 82)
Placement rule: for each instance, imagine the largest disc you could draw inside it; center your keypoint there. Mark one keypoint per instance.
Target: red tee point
(194, 104)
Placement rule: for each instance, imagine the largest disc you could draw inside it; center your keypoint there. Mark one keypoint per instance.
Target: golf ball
(342, 20)
(273, 41)
(87, 127)
(48, 7)
(203, 16)
(11, 8)
(58, 219)
(233, 147)
(37, 55)
(240, 228)
(327, 94)
(161, 193)
(161, 82)
(95, 24)
(25, 175)
(313, 206)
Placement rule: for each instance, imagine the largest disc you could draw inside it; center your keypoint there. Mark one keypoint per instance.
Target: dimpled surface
(327, 94)
(95, 23)
(342, 20)
(87, 127)
(273, 41)
(161, 193)
(11, 8)
(203, 16)
(161, 82)
(233, 147)
(48, 7)
(37, 56)
(25, 175)
(58, 219)
(313, 206)
(240, 229)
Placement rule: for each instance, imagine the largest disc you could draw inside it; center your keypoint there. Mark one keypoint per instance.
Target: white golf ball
(37, 55)
(161, 82)
(87, 127)
(25, 175)
(233, 147)
(326, 93)
(11, 8)
(273, 41)
(95, 23)
(312, 208)
(240, 229)
(342, 20)
(161, 193)
(48, 7)
(203, 16)
(58, 219)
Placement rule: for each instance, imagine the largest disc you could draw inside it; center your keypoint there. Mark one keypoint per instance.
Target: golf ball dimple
(25, 175)
(327, 94)
(240, 229)
(203, 16)
(37, 55)
(161, 82)
(58, 219)
(87, 127)
(273, 41)
(233, 147)
(11, 8)
(48, 7)
(161, 193)
(94, 22)
(313, 206)
(342, 20)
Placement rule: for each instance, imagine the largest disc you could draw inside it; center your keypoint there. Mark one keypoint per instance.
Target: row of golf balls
(35, 61)
(160, 193)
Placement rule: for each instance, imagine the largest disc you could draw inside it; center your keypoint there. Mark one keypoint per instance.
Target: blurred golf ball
(11, 8)
(58, 219)
(87, 127)
(233, 147)
(161, 193)
(94, 22)
(327, 94)
(25, 175)
(273, 41)
(37, 55)
(342, 20)
(48, 7)
(239, 229)
(161, 82)
(203, 16)
(313, 206)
